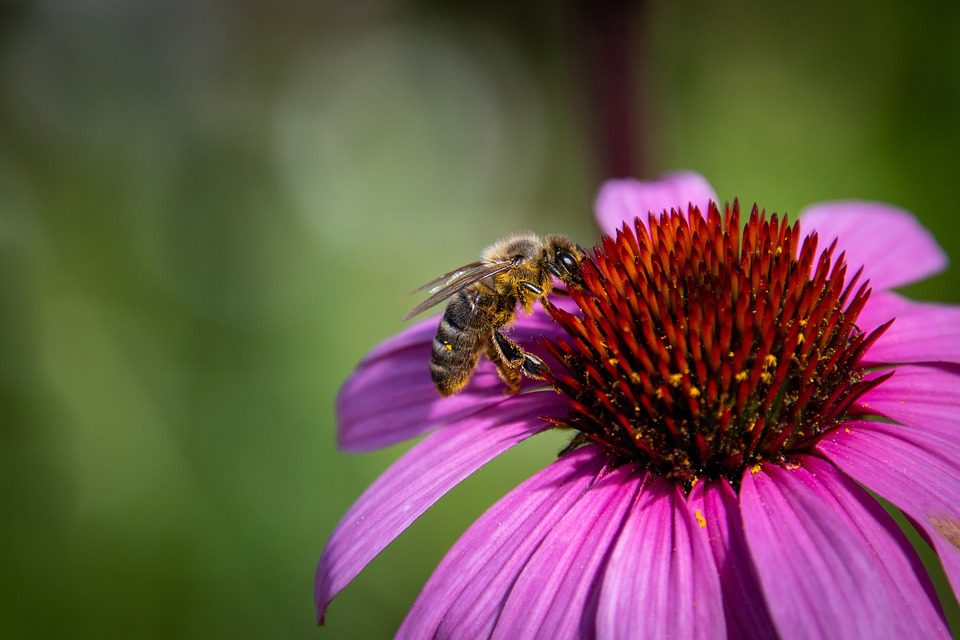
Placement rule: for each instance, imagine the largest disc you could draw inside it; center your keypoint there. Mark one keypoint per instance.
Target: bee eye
(568, 261)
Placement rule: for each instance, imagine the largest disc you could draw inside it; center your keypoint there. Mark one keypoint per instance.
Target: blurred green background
(209, 211)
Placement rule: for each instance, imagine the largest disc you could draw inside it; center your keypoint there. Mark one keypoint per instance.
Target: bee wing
(451, 276)
(448, 284)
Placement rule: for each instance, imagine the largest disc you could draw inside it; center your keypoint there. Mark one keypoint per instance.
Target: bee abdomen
(456, 346)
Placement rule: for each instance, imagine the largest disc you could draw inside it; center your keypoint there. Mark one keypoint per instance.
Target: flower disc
(704, 347)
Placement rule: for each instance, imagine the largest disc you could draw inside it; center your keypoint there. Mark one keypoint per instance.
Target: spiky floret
(703, 347)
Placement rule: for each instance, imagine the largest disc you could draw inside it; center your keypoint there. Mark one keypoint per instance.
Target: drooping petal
(467, 590)
(556, 594)
(416, 481)
(661, 581)
(831, 562)
(921, 332)
(922, 397)
(390, 397)
(923, 484)
(891, 245)
(629, 198)
(744, 606)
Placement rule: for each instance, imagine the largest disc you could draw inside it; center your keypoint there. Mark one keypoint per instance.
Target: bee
(484, 296)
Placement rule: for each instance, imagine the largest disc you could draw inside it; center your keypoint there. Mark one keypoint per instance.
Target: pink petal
(900, 565)
(921, 332)
(390, 397)
(924, 485)
(660, 580)
(419, 479)
(891, 245)
(556, 594)
(623, 200)
(467, 590)
(832, 563)
(926, 398)
(744, 606)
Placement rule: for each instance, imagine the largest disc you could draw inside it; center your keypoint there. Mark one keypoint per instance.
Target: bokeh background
(209, 211)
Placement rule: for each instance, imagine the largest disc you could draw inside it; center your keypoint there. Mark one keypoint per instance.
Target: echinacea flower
(734, 385)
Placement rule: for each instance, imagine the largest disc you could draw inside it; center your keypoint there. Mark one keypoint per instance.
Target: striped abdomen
(459, 341)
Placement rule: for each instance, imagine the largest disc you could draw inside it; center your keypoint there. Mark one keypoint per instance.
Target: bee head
(563, 259)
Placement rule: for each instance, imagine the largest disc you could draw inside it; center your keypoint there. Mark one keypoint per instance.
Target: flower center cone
(703, 347)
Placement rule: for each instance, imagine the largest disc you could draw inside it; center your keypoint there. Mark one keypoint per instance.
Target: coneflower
(731, 381)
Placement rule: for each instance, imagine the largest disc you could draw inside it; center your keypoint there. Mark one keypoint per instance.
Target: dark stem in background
(609, 64)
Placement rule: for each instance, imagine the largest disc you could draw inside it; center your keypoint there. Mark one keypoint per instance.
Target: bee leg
(508, 371)
(524, 288)
(529, 286)
(533, 366)
(517, 359)
(510, 351)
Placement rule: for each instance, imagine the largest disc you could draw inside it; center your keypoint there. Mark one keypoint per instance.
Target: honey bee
(484, 296)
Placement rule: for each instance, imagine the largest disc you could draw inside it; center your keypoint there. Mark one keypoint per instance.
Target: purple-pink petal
(468, 588)
(661, 581)
(830, 561)
(891, 245)
(921, 331)
(744, 606)
(922, 397)
(416, 481)
(556, 594)
(623, 200)
(923, 482)
(390, 397)
(900, 567)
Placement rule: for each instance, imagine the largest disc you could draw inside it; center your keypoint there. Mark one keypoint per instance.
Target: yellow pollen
(740, 377)
(675, 379)
(613, 362)
(770, 360)
(766, 377)
(448, 346)
(803, 322)
(634, 377)
(700, 519)
(800, 338)
(755, 469)
(694, 392)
